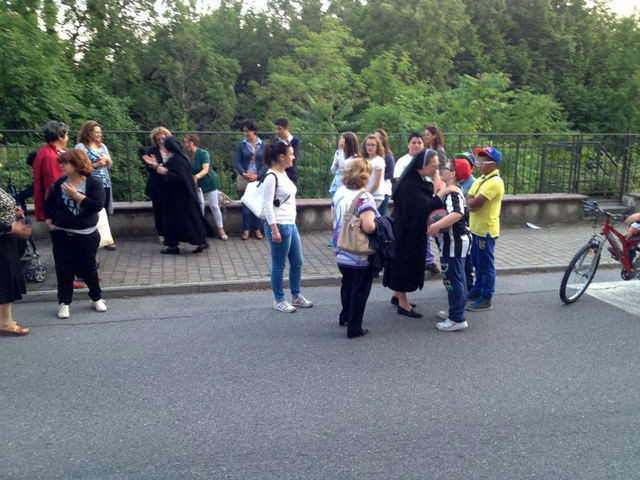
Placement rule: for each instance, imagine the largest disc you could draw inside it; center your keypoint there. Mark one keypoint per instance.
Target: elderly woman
(12, 285)
(413, 202)
(90, 142)
(71, 211)
(357, 274)
(183, 222)
(206, 179)
(153, 190)
(249, 165)
(46, 169)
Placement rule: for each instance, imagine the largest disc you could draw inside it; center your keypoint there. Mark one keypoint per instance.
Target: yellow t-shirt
(487, 218)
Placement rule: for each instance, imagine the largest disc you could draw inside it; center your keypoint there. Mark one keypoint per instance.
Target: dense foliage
(467, 65)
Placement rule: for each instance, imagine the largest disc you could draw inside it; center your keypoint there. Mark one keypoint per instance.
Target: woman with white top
(373, 152)
(348, 149)
(279, 207)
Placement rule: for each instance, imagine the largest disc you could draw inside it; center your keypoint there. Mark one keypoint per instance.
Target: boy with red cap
(484, 201)
(453, 239)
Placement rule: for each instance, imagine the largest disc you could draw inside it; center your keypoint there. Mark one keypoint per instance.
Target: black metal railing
(591, 164)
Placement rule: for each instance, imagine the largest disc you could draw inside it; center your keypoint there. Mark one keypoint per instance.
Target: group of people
(433, 197)
(71, 187)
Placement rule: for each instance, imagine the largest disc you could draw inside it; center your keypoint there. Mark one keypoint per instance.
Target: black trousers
(75, 255)
(355, 290)
(159, 205)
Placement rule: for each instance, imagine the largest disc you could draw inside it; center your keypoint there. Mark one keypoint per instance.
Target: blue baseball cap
(493, 153)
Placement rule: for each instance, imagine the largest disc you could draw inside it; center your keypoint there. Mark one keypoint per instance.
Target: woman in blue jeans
(279, 207)
(249, 167)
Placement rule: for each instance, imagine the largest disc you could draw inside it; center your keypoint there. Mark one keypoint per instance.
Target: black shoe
(433, 268)
(200, 248)
(170, 251)
(396, 302)
(409, 313)
(343, 323)
(361, 334)
(471, 296)
(480, 305)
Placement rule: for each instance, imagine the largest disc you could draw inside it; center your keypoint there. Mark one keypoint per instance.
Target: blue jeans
(456, 285)
(249, 220)
(290, 247)
(482, 256)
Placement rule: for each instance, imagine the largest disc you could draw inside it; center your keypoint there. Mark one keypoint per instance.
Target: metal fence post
(515, 167)
(624, 177)
(128, 157)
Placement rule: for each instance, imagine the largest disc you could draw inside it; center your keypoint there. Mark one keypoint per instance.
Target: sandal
(224, 237)
(245, 235)
(259, 235)
(14, 330)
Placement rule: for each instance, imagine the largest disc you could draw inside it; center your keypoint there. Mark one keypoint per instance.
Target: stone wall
(136, 219)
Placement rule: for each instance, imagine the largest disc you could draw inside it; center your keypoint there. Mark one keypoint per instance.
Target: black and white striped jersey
(455, 240)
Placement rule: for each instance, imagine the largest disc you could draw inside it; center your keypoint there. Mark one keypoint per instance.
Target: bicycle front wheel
(579, 273)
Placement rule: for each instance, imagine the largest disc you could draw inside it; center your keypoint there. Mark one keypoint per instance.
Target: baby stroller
(34, 269)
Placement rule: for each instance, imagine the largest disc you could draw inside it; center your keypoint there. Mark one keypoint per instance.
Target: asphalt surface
(221, 386)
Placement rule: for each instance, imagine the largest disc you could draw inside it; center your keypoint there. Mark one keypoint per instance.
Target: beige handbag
(352, 238)
(241, 183)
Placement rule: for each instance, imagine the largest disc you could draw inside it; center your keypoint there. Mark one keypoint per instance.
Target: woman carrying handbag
(356, 270)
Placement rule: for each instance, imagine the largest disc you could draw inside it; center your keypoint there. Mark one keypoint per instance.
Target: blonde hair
(356, 173)
(157, 131)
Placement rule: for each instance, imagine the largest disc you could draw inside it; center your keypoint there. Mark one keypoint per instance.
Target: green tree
(37, 83)
(315, 85)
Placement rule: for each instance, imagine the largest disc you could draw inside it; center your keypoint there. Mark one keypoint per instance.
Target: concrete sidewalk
(137, 267)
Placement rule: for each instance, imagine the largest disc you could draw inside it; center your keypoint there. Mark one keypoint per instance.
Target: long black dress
(154, 190)
(413, 202)
(12, 285)
(183, 221)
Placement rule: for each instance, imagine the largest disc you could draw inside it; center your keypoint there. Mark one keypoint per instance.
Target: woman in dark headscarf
(183, 222)
(413, 202)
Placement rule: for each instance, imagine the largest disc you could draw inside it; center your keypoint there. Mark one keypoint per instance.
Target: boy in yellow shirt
(484, 201)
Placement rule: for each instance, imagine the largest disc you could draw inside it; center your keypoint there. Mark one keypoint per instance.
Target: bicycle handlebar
(594, 207)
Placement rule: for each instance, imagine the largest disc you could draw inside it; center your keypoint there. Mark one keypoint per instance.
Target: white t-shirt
(285, 214)
(402, 163)
(378, 166)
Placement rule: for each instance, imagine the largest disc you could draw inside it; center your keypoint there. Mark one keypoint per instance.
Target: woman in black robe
(183, 221)
(413, 202)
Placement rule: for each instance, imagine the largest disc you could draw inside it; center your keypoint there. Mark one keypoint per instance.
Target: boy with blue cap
(484, 201)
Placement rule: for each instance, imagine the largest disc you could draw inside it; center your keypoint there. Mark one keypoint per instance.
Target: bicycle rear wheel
(579, 273)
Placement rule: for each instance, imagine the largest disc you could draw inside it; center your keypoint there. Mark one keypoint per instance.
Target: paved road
(220, 386)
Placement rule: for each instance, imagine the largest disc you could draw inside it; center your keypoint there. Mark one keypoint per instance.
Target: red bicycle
(584, 264)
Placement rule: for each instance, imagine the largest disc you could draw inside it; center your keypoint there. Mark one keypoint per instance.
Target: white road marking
(620, 294)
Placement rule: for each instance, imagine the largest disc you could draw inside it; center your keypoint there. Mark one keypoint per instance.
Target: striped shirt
(455, 240)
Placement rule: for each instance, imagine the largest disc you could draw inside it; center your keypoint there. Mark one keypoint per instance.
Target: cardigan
(67, 214)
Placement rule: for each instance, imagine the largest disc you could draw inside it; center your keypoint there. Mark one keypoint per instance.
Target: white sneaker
(99, 305)
(63, 310)
(284, 307)
(443, 315)
(301, 302)
(451, 326)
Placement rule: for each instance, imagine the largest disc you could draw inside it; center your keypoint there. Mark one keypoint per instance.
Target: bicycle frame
(616, 240)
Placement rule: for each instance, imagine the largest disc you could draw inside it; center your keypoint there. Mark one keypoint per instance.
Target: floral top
(94, 155)
(7, 212)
